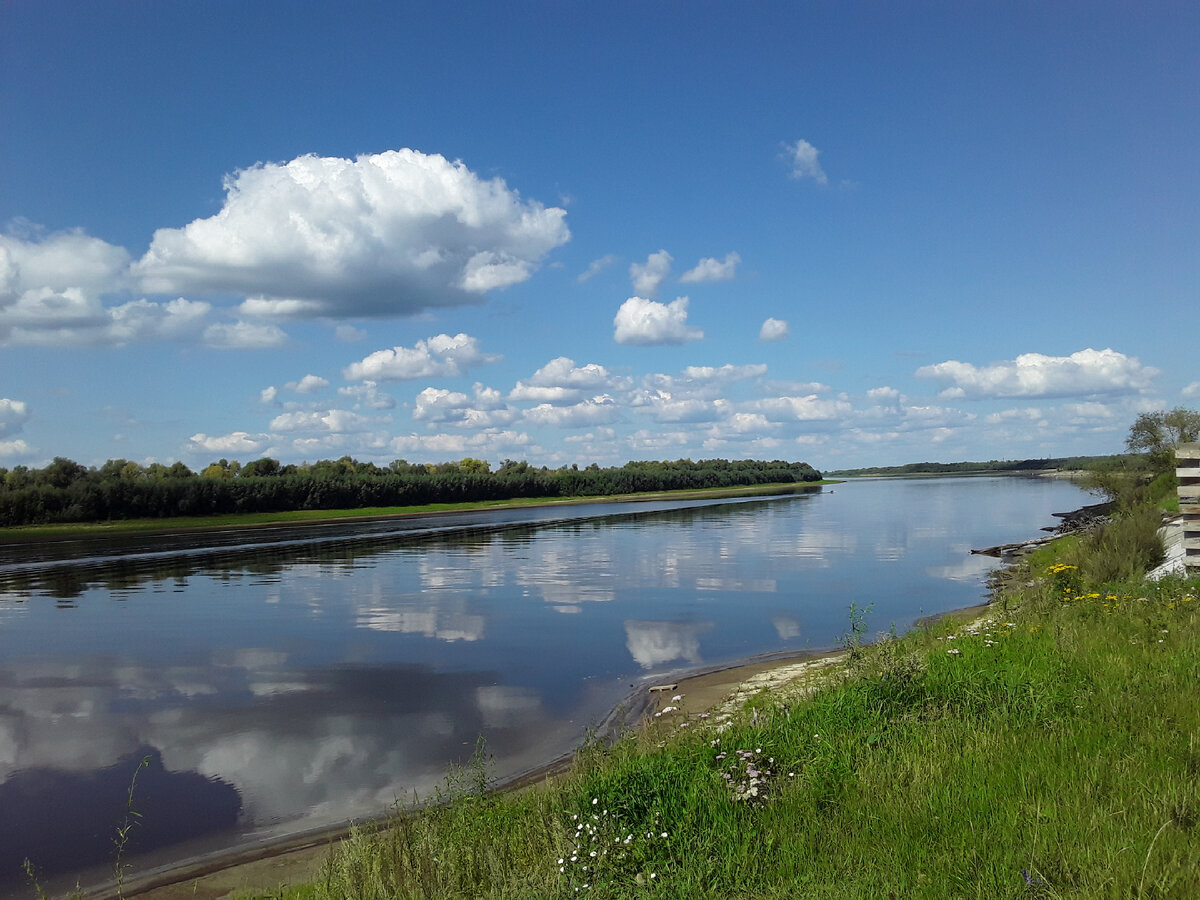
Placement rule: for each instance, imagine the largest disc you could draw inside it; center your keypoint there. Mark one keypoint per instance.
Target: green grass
(315, 516)
(1052, 752)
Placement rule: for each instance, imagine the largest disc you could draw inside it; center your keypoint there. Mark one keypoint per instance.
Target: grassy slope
(1054, 752)
(316, 516)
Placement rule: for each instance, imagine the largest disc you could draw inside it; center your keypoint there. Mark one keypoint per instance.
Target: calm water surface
(289, 679)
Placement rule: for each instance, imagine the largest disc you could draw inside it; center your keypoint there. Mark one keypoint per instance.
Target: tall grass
(1052, 750)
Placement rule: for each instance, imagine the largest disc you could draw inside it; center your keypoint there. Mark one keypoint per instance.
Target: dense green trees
(66, 491)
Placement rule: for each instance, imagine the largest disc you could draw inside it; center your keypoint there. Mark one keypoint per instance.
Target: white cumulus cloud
(710, 269)
(561, 381)
(599, 410)
(13, 415)
(368, 396)
(804, 409)
(385, 234)
(1084, 373)
(648, 323)
(1192, 390)
(438, 356)
(335, 421)
(309, 384)
(72, 317)
(805, 162)
(647, 277)
(237, 443)
(58, 261)
(773, 330)
(244, 336)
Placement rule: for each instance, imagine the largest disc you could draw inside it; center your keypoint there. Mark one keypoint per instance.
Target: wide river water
(283, 680)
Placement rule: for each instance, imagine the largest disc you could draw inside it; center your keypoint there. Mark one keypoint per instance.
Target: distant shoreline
(200, 524)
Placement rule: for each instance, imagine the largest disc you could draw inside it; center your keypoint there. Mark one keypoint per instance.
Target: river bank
(251, 521)
(693, 697)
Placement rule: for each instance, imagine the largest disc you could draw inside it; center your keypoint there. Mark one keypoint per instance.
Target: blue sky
(850, 234)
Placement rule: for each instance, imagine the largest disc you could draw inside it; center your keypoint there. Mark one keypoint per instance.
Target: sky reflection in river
(322, 682)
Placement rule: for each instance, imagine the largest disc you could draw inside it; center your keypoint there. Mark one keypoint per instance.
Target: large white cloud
(647, 277)
(649, 323)
(710, 269)
(438, 356)
(380, 235)
(1082, 374)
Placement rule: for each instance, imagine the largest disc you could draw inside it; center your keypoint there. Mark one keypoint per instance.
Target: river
(289, 679)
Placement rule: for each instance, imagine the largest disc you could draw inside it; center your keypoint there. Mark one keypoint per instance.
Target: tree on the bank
(1157, 434)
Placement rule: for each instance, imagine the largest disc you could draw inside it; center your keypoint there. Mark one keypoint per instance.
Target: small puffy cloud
(285, 309)
(804, 409)
(439, 356)
(237, 443)
(649, 323)
(17, 449)
(724, 374)
(884, 396)
(773, 330)
(1084, 373)
(1026, 414)
(348, 334)
(385, 234)
(666, 408)
(334, 421)
(596, 267)
(367, 395)
(805, 163)
(241, 335)
(709, 269)
(484, 409)
(13, 415)
(560, 381)
(482, 443)
(647, 277)
(309, 384)
(1192, 390)
(438, 405)
(268, 394)
(600, 410)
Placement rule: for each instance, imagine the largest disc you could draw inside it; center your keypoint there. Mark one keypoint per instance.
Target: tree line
(66, 491)
(993, 465)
